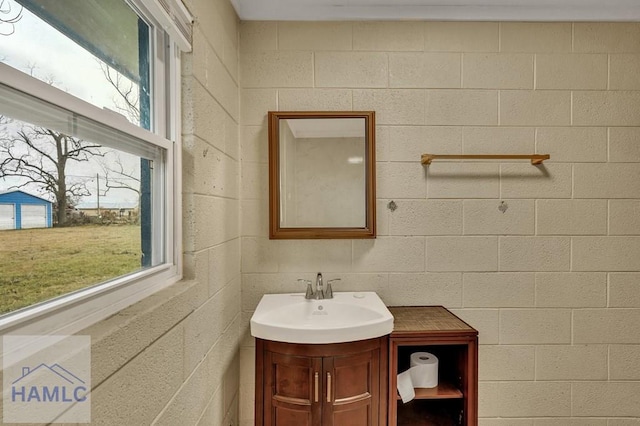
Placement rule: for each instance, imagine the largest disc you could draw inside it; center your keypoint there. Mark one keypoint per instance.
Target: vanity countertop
(408, 320)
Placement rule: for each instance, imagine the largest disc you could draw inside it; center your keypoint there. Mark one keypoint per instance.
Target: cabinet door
(352, 384)
(293, 390)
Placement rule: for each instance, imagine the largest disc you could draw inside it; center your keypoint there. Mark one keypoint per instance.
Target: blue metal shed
(20, 210)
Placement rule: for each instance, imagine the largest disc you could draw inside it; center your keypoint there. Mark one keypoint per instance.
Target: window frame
(72, 312)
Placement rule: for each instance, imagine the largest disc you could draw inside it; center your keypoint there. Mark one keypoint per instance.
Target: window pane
(71, 204)
(98, 52)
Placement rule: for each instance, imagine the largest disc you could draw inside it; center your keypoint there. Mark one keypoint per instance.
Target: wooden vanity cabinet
(342, 384)
(434, 329)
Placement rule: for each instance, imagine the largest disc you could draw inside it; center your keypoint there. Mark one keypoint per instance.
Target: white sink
(349, 316)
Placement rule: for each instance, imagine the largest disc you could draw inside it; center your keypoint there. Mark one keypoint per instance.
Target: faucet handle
(309, 292)
(328, 293)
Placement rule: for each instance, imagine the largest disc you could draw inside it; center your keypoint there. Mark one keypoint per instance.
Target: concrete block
(623, 362)
(425, 289)
(571, 289)
(400, 180)
(318, 255)
(223, 263)
(624, 144)
(462, 254)
(315, 100)
(606, 254)
(608, 180)
(572, 71)
(497, 71)
(426, 217)
(606, 108)
(501, 290)
(535, 326)
(408, 143)
(392, 106)
(389, 254)
(522, 180)
(482, 217)
(315, 36)
(624, 217)
(506, 363)
(606, 37)
(535, 254)
(498, 140)
(463, 180)
(529, 399)
(424, 70)
(606, 399)
(462, 37)
(535, 37)
(259, 254)
(276, 69)
(573, 144)
(571, 217)
(351, 69)
(388, 36)
(624, 290)
(623, 71)
(254, 105)
(535, 108)
(254, 218)
(615, 326)
(572, 362)
(462, 107)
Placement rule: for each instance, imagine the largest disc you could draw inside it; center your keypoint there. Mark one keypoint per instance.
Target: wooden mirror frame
(278, 232)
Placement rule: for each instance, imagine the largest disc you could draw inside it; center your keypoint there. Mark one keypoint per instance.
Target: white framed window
(89, 120)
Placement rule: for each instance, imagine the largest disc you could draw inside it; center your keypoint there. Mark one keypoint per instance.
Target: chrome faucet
(319, 294)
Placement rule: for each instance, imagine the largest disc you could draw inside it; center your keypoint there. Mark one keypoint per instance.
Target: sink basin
(349, 316)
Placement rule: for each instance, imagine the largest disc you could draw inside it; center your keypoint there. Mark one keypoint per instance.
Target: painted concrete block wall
(174, 357)
(553, 283)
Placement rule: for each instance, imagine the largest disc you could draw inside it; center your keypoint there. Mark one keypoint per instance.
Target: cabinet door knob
(328, 387)
(316, 386)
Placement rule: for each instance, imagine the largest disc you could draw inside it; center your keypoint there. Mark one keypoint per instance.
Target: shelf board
(444, 390)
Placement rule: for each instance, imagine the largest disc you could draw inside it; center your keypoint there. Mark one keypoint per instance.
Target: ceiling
(439, 10)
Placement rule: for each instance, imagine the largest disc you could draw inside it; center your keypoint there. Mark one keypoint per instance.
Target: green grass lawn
(39, 264)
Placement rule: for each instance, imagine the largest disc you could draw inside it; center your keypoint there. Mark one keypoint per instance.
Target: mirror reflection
(321, 175)
(316, 157)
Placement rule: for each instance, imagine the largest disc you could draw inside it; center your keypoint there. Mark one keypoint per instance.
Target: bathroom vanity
(334, 362)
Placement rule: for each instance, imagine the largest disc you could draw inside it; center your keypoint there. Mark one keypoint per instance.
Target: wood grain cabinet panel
(341, 384)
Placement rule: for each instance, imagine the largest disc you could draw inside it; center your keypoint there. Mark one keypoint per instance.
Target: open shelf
(444, 390)
(421, 413)
(434, 329)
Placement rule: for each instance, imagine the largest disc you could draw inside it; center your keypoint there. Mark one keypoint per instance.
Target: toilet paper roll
(405, 386)
(423, 373)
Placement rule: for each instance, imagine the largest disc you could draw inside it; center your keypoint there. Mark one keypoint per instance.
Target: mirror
(321, 175)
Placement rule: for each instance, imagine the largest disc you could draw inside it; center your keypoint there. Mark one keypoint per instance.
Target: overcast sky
(34, 47)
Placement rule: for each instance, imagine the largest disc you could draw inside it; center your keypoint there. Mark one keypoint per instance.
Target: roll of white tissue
(424, 370)
(423, 373)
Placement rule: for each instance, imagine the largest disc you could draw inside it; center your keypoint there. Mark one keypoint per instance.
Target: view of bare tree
(40, 156)
(127, 102)
(9, 16)
(118, 176)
